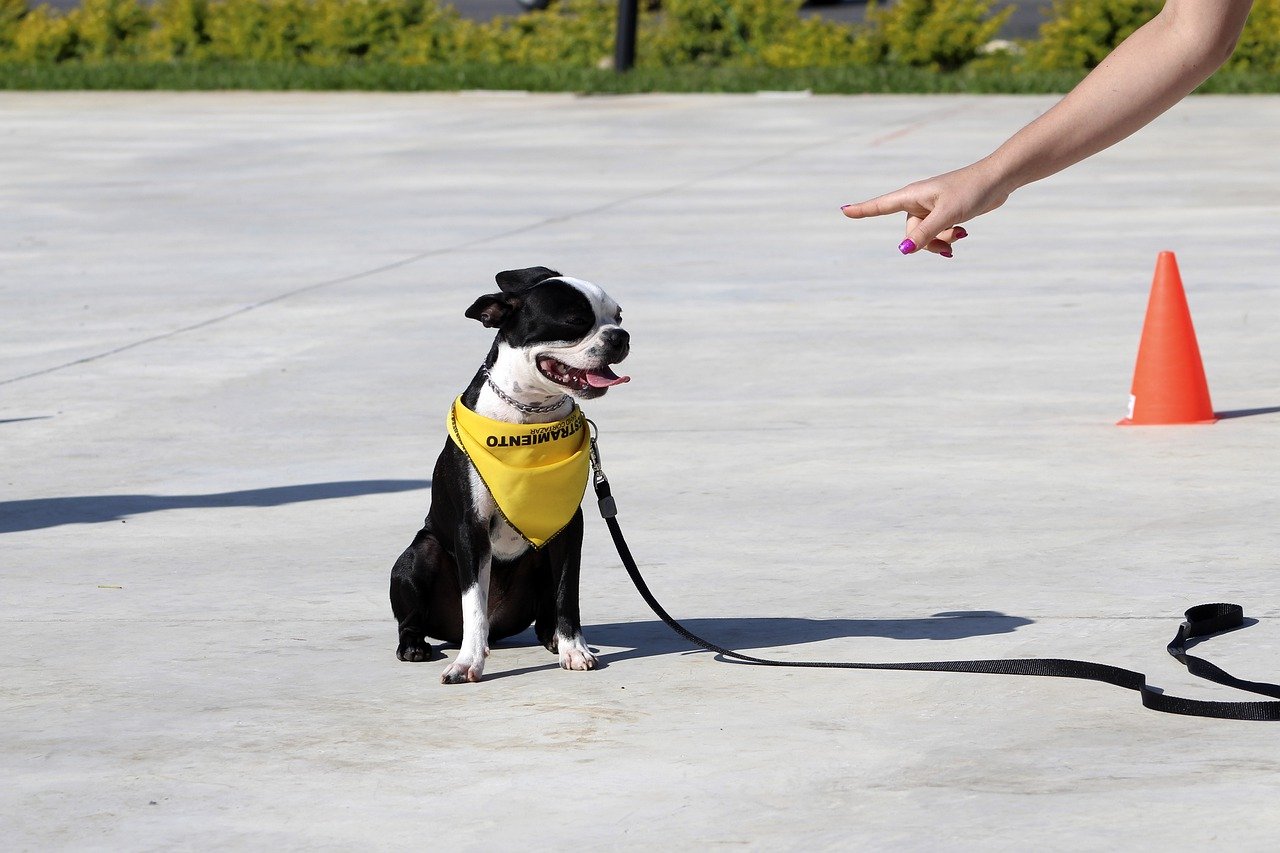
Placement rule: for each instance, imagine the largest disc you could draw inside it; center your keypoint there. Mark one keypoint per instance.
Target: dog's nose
(616, 339)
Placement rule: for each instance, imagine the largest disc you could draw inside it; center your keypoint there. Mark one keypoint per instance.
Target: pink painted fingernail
(946, 254)
(907, 246)
(960, 233)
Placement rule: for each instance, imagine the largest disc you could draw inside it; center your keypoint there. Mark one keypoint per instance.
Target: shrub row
(936, 35)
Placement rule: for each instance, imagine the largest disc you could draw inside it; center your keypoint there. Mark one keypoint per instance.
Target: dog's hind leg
(412, 579)
(407, 604)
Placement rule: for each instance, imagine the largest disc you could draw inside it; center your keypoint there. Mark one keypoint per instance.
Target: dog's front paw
(414, 651)
(574, 654)
(460, 672)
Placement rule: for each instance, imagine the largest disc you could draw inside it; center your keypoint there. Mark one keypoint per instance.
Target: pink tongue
(604, 378)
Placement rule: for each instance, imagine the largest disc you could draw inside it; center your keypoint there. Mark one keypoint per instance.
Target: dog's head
(562, 333)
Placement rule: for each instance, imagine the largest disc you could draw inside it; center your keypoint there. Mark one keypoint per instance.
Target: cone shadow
(1247, 413)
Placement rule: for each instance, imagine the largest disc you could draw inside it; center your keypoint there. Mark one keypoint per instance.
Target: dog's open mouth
(577, 378)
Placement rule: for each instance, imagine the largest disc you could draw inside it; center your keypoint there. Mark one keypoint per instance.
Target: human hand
(934, 207)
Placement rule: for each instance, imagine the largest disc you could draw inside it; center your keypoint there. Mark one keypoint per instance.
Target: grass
(397, 78)
(123, 75)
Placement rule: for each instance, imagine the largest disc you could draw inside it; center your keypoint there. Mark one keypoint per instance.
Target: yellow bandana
(537, 473)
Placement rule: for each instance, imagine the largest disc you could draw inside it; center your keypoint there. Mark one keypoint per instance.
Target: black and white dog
(470, 576)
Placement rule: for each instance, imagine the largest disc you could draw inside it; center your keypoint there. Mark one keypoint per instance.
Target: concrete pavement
(232, 324)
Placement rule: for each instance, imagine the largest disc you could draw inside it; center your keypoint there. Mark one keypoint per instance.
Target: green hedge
(743, 35)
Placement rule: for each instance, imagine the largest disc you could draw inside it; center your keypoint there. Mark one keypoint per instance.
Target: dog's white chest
(504, 542)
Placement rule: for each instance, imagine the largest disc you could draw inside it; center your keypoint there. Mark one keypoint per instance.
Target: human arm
(1159, 64)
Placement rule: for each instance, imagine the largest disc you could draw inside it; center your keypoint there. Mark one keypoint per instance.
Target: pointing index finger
(893, 202)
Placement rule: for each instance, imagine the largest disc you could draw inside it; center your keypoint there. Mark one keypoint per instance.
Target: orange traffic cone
(1168, 382)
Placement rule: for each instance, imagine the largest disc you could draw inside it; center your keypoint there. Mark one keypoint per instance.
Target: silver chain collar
(516, 404)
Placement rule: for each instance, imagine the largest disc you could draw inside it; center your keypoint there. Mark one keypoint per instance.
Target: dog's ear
(494, 309)
(518, 281)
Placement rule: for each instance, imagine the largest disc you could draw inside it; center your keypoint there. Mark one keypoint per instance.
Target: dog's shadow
(649, 638)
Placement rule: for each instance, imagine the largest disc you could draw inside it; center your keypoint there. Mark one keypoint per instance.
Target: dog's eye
(580, 320)
(617, 318)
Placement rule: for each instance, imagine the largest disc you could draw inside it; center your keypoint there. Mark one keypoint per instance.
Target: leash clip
(594, 451)
(608, 507)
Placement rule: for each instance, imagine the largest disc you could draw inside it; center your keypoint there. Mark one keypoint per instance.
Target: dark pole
(624, 52)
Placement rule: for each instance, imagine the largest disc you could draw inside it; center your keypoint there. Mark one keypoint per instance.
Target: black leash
(1203, 620)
